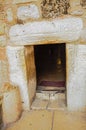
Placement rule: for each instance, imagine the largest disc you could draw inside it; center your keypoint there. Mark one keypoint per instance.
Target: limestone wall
(76, 76)
(30, 22)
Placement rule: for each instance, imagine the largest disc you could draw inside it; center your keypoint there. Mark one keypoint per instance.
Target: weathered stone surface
(39, 120)
(31, 72)
(2, 40)
(3, 72)
(28, 12)
(2, 53)
(39, 104)
(18, 76)
(75, 8)
(83, 36)
(11, 105)
(69, 121)
(76, 75)
(22, 1)
(83, 3)
(2, 28)
(63, 30)
(9, 15)
(44, 96)
(2, 11)
(54, 8)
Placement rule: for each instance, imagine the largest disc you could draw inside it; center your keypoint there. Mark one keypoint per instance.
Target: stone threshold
(49, 100)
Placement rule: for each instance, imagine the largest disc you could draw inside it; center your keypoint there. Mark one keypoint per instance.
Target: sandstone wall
(28, 22)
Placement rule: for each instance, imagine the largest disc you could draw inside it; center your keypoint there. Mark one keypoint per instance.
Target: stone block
(11, 104)
(30, 11)
(22, 1)
(62, 30)
(18, 76)
(3, 72)
(9, 15)
(2, 41)
(34, 120)
(83, 36)
(68, 121)
(2, 53)
(76, 85)
(2, 27)
(75, 8)
(39, 104)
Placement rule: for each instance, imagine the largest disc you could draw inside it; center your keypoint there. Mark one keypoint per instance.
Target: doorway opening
(50, 61)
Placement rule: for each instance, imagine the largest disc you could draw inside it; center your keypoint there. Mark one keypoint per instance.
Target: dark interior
(50, 63)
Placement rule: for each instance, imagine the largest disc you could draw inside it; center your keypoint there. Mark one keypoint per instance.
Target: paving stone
(57, 101)
(68, 121)
(39, 104)
(44, 96)
(35, 120)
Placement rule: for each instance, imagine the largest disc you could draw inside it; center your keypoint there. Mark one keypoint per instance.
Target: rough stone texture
(69, 121)
(76, 76)
(42, 95)
(18, 76)
(63, 30)
(4, 77)
(49, 120)
(0, 115)
(2, 28)
(22, 1)
(53, 102)
(39, 120)
(2, 41)
(28, 12)
(2, 53)
(57, 102)
(3, 67)
(54, 8)
(83, 36)
(39, 104)
(75, 8)
(2, 11)
(11, 105)
(9, 13)
(83, 3)
(31, 72)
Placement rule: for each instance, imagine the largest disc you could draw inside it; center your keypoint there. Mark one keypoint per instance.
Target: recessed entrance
(50, 63)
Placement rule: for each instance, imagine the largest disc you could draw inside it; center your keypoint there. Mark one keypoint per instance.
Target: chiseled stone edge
(76, 82)
(67, 29)
(17, 69)
(22, 1)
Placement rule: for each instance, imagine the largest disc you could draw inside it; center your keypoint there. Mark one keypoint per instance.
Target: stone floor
(49, 100)
(50, 120)
(49, 113)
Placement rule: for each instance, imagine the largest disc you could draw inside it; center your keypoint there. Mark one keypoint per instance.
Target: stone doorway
(24, 74)
(50, 61)
(50, 67)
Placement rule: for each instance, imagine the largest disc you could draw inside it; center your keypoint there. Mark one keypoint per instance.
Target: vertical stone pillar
(76, 76)
(3, 67)
(17, 72)
(31, 71)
